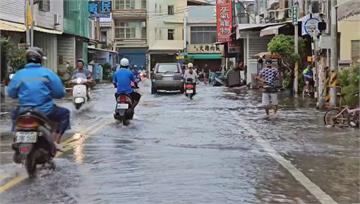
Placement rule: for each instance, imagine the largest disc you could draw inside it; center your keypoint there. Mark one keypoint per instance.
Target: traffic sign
(310, 24)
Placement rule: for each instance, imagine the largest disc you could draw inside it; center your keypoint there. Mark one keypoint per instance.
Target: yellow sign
(309, 58)
(181, 57)
(29, 18)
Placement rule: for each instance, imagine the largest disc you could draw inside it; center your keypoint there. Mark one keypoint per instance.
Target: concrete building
(166, 30)
(102, 50)
(73, 44)
(48, 25)
(348, 14)
(350, 39)
(129, 30)
(201, 38)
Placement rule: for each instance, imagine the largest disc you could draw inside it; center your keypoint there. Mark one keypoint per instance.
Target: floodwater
(181, 151)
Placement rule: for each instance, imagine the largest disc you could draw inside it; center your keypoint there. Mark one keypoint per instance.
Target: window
(124, 31)
(103, 36)
(355, 50)
(163, 68)
(171, 34)
(124, 4)
(143, 32)
(44, 5)
(67, 8)
(203, 35)
(143, 4)
(170, 10)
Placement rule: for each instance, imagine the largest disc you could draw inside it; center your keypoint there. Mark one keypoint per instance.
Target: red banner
(224, 20)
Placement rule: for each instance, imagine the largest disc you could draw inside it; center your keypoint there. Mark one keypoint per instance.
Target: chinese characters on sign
(100, 8)
(205, 48)
(224, 20)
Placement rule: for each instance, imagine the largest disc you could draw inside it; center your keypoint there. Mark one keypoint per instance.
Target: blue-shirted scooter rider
(35, 87)
(123, 80)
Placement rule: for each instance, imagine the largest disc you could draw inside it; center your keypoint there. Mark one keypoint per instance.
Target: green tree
(350, 80)
(283, 45)
(14, 55)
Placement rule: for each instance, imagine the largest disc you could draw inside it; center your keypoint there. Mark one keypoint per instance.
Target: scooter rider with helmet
(123, 80)
(190, 73)
(36, 86)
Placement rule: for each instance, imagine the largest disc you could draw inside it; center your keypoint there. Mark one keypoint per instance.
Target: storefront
(206, 56)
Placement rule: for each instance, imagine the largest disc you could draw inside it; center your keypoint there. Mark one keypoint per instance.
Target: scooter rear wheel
(30, 164)
(78, 106)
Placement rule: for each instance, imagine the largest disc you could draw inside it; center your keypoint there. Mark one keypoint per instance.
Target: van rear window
(162, 68)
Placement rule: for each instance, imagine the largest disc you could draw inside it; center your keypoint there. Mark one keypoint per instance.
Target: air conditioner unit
(56, 19)
(143, 24)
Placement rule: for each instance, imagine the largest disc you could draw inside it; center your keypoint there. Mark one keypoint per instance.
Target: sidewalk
(6, 106)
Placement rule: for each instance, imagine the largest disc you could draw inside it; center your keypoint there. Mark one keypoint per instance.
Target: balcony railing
(134, 42)
(129, 14)
(105, 24)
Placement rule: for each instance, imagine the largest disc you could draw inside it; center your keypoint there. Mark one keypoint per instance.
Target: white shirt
(193, 76)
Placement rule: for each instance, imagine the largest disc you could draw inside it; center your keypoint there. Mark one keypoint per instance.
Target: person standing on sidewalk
(269, 76)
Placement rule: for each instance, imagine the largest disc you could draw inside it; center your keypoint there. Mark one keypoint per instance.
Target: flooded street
(217, 148)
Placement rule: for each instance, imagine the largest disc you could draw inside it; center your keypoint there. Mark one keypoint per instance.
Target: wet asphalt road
(200, 151)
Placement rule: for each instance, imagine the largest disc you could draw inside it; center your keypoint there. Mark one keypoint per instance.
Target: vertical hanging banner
(224, 20)
(29, 17)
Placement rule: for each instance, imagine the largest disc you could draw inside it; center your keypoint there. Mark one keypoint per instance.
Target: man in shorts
(269, 76)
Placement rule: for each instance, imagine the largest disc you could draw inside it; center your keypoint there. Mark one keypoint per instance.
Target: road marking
(13, 182)
(70, 145)
(2, 176)
(322, 197)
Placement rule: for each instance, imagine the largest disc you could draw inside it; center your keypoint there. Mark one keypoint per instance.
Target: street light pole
(334, 54)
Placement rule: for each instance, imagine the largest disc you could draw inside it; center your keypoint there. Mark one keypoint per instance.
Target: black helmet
(34, 55)
(81, 60)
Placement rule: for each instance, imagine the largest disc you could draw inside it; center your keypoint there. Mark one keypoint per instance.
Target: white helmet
(124, 62)
(190, 65)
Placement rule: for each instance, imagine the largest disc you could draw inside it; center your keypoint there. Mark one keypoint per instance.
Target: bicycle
(345, 116)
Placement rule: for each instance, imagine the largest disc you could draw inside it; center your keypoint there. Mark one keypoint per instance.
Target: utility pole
(334, 54)
(296, 49)
(26, 22)
(32, 23)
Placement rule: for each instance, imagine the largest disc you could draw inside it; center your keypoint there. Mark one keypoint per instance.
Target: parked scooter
(189, 88)
(80, 92)
(33, 141)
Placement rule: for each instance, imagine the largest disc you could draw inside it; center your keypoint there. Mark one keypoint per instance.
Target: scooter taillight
(27, 122)
(189, 86)
(24, 149)
(122, 99)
